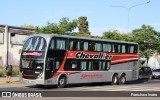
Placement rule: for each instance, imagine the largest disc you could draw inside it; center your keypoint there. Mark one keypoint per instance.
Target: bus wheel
(62, 82)
(114, 79)
(122, 79)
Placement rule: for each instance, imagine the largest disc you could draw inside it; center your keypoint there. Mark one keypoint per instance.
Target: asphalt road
(92, 90)
(139, 85)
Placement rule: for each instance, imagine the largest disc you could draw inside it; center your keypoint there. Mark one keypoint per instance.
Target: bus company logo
(101, 55)
(6, 94)
(91, 76)
(31, 54)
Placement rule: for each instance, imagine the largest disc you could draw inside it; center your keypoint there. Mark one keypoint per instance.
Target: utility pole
(128, 11)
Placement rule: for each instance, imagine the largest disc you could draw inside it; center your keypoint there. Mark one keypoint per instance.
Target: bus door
(49, 70)
(52, 66)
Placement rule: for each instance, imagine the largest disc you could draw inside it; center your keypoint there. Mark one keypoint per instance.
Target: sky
(101, 16)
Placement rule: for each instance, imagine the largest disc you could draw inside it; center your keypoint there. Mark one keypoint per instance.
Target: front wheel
(62, 82)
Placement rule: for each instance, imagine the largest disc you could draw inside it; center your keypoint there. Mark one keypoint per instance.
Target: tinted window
(84, 45)
(71, 65)
(107, 47)
(74, 45)
(60, 44)
(116, 48)
(52, 44)
(98, 47)
(86, 65)
(132, 49)
(35, 44)
(123, 49)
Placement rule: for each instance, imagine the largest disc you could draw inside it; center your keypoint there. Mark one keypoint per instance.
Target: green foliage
(148, 40)
(15, 71)
(83, 25)
(80, 35)
(115, 35)
(2, 72)
(64, 26)
(28, 26)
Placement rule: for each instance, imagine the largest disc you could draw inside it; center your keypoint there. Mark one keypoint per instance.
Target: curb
(14, 82)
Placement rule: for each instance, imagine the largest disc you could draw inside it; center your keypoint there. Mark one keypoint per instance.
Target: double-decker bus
(50, 59)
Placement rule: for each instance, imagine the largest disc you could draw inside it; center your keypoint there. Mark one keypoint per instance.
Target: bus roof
(84, 38)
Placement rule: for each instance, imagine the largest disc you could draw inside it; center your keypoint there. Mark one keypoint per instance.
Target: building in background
(11, 42)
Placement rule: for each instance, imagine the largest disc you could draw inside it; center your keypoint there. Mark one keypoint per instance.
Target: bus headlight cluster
(40, 76)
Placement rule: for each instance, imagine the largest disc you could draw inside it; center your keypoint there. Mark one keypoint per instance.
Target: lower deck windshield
(32, 63)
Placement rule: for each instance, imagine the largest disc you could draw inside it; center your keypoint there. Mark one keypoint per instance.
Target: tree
(27, 26)
(65, 26)
(115, 35)
(148, 40)
(83, 25)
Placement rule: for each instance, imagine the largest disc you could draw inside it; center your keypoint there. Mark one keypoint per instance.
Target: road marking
(115, 88)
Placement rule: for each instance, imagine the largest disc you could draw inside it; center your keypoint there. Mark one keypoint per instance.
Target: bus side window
(116, 48)
(60, 44)
(83, 65)
(135, 49)
(51, 44)
(107, 47)
(71, 65)
(74, 65)
(57, 64)
(90, 65)
(84, 45)
(71, 45)
(123, 48)
(98, 47)
(131, 49)
(74, 45)
(127, 48)
(106, 65)
(91, 46)
(96, 65)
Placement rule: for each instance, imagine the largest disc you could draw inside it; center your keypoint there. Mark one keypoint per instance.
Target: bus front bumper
(29, 81)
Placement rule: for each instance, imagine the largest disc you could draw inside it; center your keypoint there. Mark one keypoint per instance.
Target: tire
(150, 77)
(114, 80)
(62, 82)
(40, 86)
(122, 79)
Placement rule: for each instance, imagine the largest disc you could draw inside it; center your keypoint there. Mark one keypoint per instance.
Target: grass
(2, 72)
(15, 71)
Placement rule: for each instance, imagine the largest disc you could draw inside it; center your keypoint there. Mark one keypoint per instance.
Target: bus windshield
(35, 44)
(32, 63)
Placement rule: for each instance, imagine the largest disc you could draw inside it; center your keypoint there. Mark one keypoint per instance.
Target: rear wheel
(122, 79)
(40, 86)
(62, 82)
(150, 77)
(114, 80)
